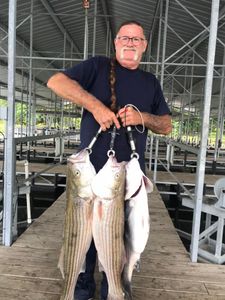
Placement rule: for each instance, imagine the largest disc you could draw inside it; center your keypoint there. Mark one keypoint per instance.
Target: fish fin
(127, 288)
(148, 184)
(61, 262)
(138, 266)
(83, 268)
(100, 210)
(100, 266)
(128, 291)
(133, 190)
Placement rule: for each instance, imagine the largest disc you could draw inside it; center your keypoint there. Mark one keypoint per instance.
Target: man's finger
(116, 122)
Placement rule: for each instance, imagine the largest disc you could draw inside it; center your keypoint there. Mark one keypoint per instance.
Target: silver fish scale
(77, 227)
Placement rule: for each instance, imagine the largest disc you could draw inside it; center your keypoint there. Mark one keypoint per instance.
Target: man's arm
(157, 124)
(70, 90)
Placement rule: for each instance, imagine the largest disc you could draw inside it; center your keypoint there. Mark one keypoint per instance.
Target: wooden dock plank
(151, 294)
(184, 177)
(31, 284)
(169, 285)
(12, 294)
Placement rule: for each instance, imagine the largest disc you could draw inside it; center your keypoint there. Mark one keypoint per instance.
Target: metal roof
(56, 31)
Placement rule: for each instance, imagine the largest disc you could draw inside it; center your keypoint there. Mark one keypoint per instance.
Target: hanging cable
(142, 120)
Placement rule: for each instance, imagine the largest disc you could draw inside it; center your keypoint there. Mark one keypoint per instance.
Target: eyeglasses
(135, 40)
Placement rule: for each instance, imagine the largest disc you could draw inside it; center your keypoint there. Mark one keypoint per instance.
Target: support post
(205, 130)
(9, 168)
(164, 43)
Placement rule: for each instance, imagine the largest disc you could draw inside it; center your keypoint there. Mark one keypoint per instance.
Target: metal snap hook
(111, 153)
(134, 155)
(89, 150)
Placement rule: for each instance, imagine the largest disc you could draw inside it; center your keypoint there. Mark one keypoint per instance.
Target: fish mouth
(81, 156)
(114, 163)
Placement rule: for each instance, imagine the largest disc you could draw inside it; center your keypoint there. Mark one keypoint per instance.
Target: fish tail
(61, 262)
(126, 285)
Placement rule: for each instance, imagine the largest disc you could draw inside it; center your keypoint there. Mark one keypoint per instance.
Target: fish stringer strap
(89, 147)
(112, 141)
(132, 143)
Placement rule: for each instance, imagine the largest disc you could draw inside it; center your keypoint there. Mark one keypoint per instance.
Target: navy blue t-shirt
(136, 87)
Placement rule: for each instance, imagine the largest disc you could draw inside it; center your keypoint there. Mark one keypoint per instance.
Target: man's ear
(145, 46)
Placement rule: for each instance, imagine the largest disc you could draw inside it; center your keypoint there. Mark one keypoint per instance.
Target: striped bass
(108, 223)
(78, 220)
(137, 221)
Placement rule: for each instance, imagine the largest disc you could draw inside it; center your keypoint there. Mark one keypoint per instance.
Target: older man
(103, 87)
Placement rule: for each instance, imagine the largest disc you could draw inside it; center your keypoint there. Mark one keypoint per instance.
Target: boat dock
(28, 269)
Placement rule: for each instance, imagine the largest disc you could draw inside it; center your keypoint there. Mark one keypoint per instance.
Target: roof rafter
(59, 24)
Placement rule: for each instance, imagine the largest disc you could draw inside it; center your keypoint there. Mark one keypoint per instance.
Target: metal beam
(200, 175)
(201, 36)
(9, 168)
(197, 19)
(164, 42)
(106, 13)
(59, 24)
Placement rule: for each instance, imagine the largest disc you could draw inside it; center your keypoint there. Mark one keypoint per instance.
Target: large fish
(108, 223)
(78, 220)
(137, 221)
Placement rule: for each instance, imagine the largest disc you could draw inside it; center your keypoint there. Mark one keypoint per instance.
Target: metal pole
(107, 39)
(30, 72)
(220, 110)
(94, 27)
(197, 19)
(22, 99)
(150, 152)
(156, 158)
(159, 39)
(86, 35)
(205, 130)
(190, 98)
(9, 170)
(164, 42)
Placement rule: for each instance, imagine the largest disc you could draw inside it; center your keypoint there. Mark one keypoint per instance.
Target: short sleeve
(160, 106)
(84, 73)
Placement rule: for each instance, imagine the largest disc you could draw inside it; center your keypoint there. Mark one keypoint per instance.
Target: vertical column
(94, 27)
(159, 40)
(86, 7)
(9, 170)
(30, 101)
(107, 39)
(156, 158)
(164, 42)
(205, 130)
(190, 99)
(220, 111)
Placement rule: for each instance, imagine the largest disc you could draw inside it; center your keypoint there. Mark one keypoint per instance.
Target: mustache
(129, 48)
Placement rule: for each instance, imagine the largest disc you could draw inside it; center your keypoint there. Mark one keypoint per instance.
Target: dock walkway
(28, 269)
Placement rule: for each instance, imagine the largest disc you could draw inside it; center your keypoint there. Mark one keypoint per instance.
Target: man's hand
(129, 116)
(158, 124)
(104, 116)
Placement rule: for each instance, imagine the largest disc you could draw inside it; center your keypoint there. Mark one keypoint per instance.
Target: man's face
(129, 51)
